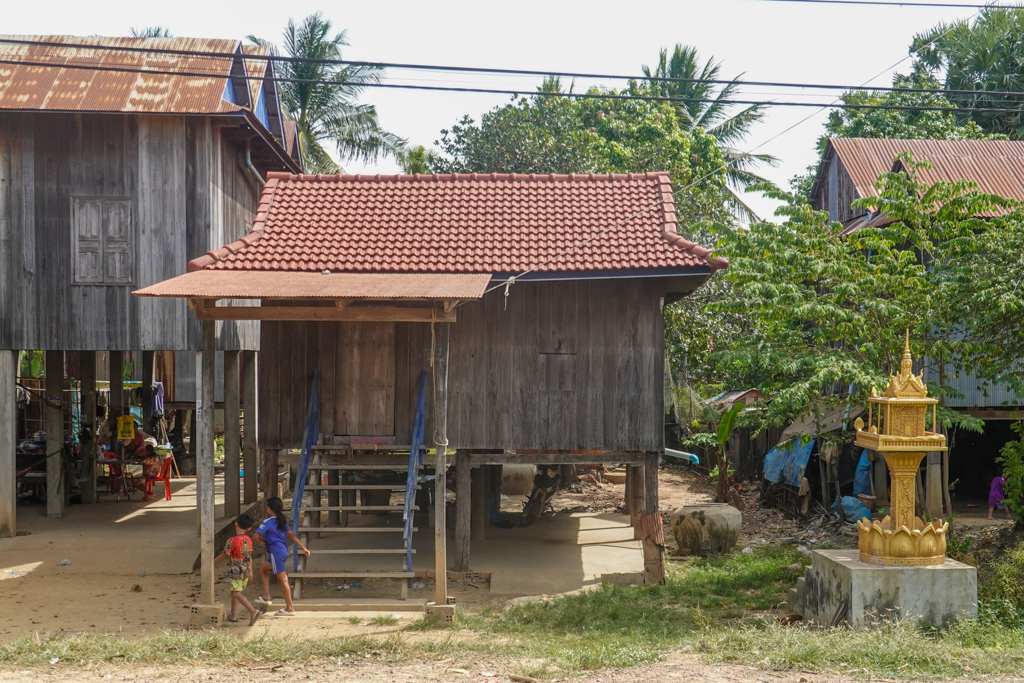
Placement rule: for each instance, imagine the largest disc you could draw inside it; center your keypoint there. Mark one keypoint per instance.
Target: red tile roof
(475, 223)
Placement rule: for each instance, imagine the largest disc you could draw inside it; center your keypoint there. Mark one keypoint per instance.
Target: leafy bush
(1006, 578)
(1011, 459)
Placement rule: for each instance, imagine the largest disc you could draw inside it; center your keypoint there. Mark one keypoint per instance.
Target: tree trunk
(722, 495)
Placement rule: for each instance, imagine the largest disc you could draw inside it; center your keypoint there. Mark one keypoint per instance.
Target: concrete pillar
(8, 443)
(87, 378)
(205, 360)
(250, 440)
(116, 402)
(54, 421)
(933, 486)
(232, 436)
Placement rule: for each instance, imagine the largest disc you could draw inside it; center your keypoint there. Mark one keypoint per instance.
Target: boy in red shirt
(238, 551)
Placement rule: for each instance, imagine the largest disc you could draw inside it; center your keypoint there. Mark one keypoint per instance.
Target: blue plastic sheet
(862, 478)
(788, 463)
(853, 509)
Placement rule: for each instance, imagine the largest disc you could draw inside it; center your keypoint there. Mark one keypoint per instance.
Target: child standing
(238, 551)
(996, 497)
(274, 534)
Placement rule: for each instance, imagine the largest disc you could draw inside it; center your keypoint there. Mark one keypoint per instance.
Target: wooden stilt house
(533, 303)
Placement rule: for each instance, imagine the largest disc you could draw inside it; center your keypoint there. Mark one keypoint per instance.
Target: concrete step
(382, 605)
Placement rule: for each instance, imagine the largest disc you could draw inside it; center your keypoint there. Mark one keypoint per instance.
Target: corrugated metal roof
(256, 69)
(997, 166)
(229, 284)
(868, 220)
(56, 87)
(977, 393)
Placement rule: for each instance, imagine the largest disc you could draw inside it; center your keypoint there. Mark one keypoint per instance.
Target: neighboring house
(120, 160)
(849, 170)
(382, 274)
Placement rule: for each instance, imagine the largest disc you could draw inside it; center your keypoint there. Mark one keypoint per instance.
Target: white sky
(767, 41)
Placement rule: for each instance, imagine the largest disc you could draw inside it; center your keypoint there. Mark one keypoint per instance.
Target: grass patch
(384, 620)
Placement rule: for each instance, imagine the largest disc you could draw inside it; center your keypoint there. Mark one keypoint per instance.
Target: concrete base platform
(838, 588)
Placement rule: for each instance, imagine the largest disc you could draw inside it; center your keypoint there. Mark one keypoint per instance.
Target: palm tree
(150, 32)
(322, 98)
(418, 160)
(712, 114)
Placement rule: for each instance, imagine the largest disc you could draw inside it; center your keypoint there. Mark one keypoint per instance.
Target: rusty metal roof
(57, 81)
(997, 166)
(229, 284)
(256, 69)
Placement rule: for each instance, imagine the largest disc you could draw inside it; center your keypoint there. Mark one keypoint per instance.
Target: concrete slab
(557, 554)
(117, 538)
(837, 580)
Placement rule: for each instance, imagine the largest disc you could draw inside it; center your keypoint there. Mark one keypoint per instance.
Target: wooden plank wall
(189, 196)
(839, 182)
(568, 365)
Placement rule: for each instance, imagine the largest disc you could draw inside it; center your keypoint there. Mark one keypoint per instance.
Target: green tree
(982, 55)
(323, 98)
(903, 124)
(150, 32)
(417, 160)
(830, 309)
(707, 107)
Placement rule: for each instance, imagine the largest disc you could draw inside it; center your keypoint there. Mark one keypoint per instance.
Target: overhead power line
(893, 3)
(200, 54)
(498, 91)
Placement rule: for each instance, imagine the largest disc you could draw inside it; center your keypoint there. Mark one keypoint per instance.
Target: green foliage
(830, 309)
(705, 106)
(1011, 460)
(150, 32)
(417, 160)
(728, 422)
(981, 54)
(322, 98)
(31, 363)
(1006, 578)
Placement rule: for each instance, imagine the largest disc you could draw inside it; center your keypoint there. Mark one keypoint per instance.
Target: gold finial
(907, 366)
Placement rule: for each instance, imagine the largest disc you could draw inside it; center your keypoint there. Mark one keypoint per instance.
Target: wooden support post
(933, 485)
(87, 378)
(478, 522)
(463, 507)
(881, 479)
(54, 410)
(268, 472)
(441, 442)
(653, 537)
(250, 440)
(115, 398)
(232, 436)
(148, 380)
(8, 443)
(203, 434)
(636, 495)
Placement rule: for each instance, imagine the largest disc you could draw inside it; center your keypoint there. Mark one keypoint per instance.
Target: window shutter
(117, 223)
(88, 225)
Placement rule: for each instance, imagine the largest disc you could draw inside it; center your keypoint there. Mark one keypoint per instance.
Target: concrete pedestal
(837, 581)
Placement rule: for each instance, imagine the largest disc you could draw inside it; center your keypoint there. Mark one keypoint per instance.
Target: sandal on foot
(254, 618)
(233, 621)
(284, 613)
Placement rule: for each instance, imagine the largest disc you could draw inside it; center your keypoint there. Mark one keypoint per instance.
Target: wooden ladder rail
(415, 460)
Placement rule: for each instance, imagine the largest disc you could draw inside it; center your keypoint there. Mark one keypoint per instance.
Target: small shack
(532, 302)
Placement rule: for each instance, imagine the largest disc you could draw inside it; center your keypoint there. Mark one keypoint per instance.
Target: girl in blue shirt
(274, 534)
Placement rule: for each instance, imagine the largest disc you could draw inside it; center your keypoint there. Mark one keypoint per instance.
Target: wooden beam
(204, 459)
(478, 522)
(55, 483)
(463, 506)
(328, 313)
(8, 443)
(268, 472)
(441, 442)
(148, 379)
(653, 533)
(232, 435)
(250, 441)
(610, 457)
(87, 376)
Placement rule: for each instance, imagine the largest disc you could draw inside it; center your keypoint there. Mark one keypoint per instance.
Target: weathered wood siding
(568, 365)
(837, 192)
(187, 196)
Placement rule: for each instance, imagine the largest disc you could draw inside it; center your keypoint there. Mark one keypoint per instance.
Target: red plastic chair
(164, 476)
(121, 480)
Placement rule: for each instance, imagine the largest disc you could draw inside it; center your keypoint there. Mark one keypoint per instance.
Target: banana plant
(726, 424)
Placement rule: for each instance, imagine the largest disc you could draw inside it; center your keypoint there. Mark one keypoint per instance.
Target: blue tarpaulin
(788, 463)
(862, 478)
